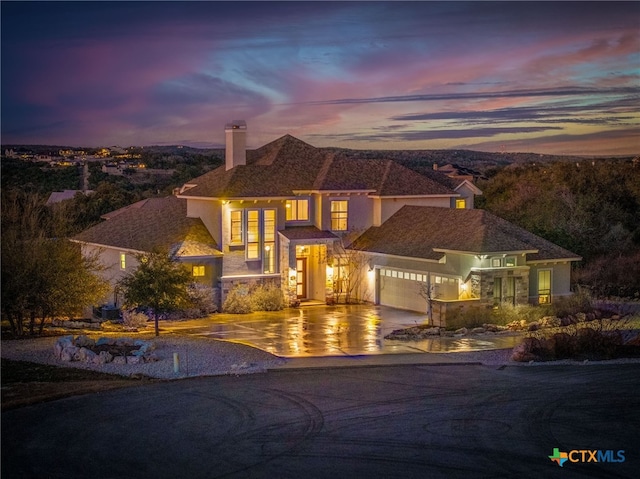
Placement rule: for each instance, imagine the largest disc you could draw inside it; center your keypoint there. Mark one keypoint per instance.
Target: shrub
(133, 319)
(468, 318)
(571, 305)
(507, 313)
(203, 299)
(238, 300)
(267, 297)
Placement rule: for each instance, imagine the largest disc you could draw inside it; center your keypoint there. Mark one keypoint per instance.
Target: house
(148, 225)
(327, 228)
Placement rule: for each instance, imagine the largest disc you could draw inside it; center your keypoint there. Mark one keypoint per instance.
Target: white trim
(475, 253)
(554, 261)
(251, 276)
(457, 195)
(412, 258)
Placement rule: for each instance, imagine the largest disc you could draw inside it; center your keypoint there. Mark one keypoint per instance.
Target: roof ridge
(322, 174)
(385, 175)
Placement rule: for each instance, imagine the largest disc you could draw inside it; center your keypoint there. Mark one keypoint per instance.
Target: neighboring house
(287, 213)
(148, 225)
(58, 196)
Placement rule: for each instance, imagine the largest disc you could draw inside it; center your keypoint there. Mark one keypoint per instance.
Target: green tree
(43, 277)
(159, 282)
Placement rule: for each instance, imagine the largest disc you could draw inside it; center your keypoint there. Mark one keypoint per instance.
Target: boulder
(103, 358)
(119, 360)
(124, 342)
(69, 353)
(477, 330)
(86, 355)
(533, 326)
(461, 331)
(581, 317)
(84, 341)
(134, 359)
(525, 351)
(107, 341)
(435, 331)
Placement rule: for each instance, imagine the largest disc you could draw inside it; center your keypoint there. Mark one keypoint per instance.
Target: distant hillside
(476, 160)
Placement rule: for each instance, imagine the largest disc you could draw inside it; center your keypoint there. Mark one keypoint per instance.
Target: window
(269, 234)
(197, 270)
(253, 234)
(123, 261)
(297, 210)
(544, 286)
(510, 262)
(339, 213)
(497, 290)
(496, 262)
(461, 203)
(236, 227)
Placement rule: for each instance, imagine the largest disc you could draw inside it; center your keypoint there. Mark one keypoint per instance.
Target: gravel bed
(197, 357)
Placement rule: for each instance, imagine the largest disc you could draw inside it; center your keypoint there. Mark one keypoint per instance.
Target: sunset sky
(546, 77)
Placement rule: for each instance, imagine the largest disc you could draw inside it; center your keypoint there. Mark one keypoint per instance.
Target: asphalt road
(376, 422)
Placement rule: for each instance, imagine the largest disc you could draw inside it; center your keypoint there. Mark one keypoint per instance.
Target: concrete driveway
(415, 421)
(322, 330)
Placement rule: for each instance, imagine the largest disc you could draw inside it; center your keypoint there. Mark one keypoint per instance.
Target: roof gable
(150, 224)
(287, 165)
(426, 232)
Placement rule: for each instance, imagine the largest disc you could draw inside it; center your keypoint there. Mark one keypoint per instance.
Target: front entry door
(301, 278)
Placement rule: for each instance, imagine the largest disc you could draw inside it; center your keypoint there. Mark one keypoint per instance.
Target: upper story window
(269, 230)
(197, 271)
(297, 210)
(461, 203)
(496, 262)
(123, 261)
(236, 227)
(253, 234)
(510, 262)
(339, 214)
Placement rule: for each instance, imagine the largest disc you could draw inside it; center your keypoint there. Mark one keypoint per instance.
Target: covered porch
(306, 264)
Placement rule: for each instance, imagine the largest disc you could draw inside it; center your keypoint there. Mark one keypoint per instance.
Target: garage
(401, 289)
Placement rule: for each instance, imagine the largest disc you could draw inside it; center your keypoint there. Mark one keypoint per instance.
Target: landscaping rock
(477, 330)
(120, 360)
(461, 331)
(105, 341)
(103, 358)
(69, 353)
(86, 355)
(84, 341)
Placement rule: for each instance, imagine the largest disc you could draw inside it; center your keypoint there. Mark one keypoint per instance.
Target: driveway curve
(373, 422)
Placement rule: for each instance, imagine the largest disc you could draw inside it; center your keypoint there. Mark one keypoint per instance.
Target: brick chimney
(236, 143)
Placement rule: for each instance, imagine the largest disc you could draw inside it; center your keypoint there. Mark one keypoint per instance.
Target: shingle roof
(306, 233)
(153, 223)
(423, 232)
(288, 164)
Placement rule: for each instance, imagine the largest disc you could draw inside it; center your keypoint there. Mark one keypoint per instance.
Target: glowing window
(510, 262)
(461, 203)
(297, 210)
(197, 270)
(123, 261)
(236, 227)
(339, 215)
(544, 286)
(496, 262)
(269, 229)
(253, 234)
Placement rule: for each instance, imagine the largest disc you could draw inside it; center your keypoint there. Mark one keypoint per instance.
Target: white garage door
(401, 289)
